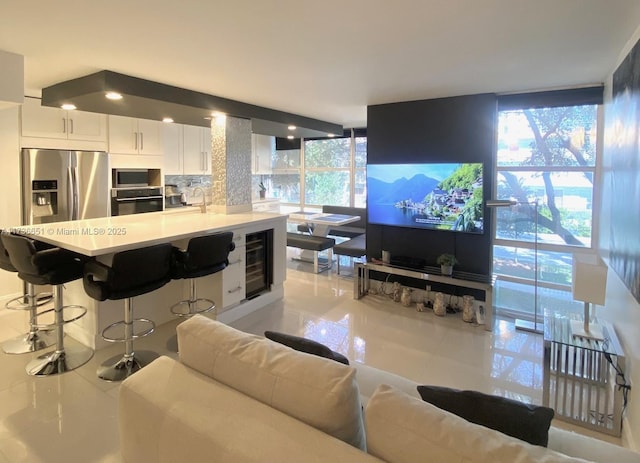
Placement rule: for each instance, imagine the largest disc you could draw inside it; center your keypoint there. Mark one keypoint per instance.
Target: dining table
(319, 224)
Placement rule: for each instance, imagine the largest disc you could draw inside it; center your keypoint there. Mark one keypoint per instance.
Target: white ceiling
(325, 59)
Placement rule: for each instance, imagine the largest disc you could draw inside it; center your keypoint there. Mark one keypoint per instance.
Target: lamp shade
(589, 279)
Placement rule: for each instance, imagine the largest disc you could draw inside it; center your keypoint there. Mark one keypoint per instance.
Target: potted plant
(262, 190)
(446, 262)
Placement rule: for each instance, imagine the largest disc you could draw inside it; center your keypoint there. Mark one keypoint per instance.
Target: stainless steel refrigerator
(62, 185)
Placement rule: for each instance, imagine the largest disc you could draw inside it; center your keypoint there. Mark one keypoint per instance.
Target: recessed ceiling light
(220, 118)
(68, 106)
(292, 127)
(114, 96)
(330, 135)
(168, 120)
(290, 137)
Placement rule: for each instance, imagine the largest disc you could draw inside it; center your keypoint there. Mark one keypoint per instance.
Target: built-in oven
(126, 201)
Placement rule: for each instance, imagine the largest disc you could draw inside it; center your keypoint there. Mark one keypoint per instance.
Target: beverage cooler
(259, 249)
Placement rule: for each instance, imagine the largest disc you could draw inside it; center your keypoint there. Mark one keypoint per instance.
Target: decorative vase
(396, 291)
(446, 269)
(405, 298)
(438, 305)
(468, 309)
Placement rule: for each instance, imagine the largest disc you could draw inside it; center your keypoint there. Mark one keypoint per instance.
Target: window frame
(303, 170)
(571, 250)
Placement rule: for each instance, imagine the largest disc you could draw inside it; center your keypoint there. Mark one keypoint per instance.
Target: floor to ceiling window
(320, 171)
(546, 161)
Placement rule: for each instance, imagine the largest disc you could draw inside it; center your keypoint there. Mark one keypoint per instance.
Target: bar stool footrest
(191, 307)
(80, 311)
(17, 303)
(135, 335)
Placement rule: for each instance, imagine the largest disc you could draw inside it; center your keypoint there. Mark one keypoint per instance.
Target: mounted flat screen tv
(430, 196)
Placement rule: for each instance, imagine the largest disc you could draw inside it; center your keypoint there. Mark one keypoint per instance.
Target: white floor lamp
(526, 325)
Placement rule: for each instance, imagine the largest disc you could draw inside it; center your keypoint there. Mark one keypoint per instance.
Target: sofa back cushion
(404, 429)
(317, 391)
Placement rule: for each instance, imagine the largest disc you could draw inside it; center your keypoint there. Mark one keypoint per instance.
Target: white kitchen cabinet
(262, 148)
(196, 150)
(233, 288)
(55, 123)
(173, 149)
(128, 135)
(187, 150)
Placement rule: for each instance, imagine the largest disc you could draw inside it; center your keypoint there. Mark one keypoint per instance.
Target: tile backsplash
(188, 183)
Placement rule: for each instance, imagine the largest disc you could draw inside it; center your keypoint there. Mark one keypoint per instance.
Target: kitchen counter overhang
(108, 235)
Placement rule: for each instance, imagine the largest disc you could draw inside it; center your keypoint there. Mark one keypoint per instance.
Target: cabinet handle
(70, 125)
(135, 143)
(234, 290)
(64, 125)
(141, 141)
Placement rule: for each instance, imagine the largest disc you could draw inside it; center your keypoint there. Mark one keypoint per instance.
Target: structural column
(231, 164)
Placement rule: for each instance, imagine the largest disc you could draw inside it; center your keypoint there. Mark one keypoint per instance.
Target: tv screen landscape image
(430, 196)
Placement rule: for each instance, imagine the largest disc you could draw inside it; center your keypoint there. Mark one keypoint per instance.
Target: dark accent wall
(457, 129)
(622, 155)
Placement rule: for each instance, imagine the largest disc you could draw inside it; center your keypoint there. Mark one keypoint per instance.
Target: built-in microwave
(130, 178)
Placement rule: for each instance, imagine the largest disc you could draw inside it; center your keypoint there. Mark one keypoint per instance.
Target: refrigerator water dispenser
(44, 198)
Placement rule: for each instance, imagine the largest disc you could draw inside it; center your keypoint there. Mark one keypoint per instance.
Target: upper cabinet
(54, 123)
(172, 144)
(262, 148)
(197, 150)
(128, 135)
(187, 150)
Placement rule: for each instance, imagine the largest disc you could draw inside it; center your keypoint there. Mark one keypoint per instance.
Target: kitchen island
(102, 237)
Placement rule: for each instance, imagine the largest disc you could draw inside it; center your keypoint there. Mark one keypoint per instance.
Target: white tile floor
(73, 418)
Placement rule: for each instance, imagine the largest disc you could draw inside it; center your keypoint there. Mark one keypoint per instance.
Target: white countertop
(94, 237)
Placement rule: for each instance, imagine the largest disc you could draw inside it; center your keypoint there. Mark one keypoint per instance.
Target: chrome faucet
(203, 205)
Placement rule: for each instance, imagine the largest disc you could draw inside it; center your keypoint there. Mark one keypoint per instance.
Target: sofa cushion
(315, 390)
(516, 419)
(170, 413)
(404, 429)
(308, 346)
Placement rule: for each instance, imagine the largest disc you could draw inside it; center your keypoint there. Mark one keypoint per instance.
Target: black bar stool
(132, 273)
(205, 255)
(35, 339)
(53, 266)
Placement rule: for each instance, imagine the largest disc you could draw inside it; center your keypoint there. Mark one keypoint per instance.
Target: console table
(580, 375)
(361, 282)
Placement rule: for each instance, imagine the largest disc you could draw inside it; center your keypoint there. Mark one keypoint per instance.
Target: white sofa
(235, 397)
